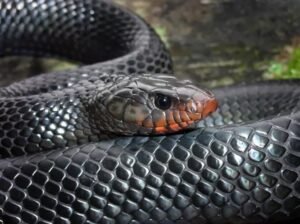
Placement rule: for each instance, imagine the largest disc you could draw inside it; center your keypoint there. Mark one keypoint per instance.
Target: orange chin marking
(160, 123)
(190, 122)
(180, 126)
(174, 127)
(161, 130)
(184, 124)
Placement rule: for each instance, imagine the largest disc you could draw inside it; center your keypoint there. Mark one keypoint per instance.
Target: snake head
(156, 104)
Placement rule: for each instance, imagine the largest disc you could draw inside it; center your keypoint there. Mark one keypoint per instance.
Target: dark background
(212, 42)
(221, 42)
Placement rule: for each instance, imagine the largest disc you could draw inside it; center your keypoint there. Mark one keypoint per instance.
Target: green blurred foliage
(285, 69)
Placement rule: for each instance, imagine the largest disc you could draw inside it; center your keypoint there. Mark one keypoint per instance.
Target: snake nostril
(192, 107)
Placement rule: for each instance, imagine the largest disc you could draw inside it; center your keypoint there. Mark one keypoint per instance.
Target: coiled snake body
(240, 166)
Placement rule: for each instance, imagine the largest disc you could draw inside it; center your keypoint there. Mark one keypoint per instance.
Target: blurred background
(213, 42)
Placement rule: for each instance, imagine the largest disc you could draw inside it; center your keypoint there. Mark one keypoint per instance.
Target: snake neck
(57, 119)
(94, 100)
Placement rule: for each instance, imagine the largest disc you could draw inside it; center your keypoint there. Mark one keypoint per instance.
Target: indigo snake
(62, 160)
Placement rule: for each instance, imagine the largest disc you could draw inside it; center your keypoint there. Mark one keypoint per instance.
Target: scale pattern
(240, 166)
(94, 32)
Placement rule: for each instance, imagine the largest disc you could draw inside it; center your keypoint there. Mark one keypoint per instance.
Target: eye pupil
(163, 102)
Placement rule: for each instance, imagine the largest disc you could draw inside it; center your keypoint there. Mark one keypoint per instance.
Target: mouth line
(174, 127)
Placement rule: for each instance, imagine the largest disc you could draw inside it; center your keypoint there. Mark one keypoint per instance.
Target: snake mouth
(192, 112)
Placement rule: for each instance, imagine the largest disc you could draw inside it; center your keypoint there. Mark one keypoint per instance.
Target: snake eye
(163, 102)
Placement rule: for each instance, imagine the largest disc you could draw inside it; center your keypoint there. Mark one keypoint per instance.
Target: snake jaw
(185, 113)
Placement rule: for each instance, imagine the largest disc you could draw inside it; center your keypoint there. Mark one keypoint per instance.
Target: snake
(121, 140)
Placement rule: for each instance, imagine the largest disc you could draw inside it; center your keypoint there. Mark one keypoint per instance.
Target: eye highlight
(162, 102)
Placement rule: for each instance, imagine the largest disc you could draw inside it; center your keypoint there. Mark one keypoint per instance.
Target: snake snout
(202, 104)
(210, 107)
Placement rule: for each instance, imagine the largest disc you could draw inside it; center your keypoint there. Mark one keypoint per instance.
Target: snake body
(240, 166)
